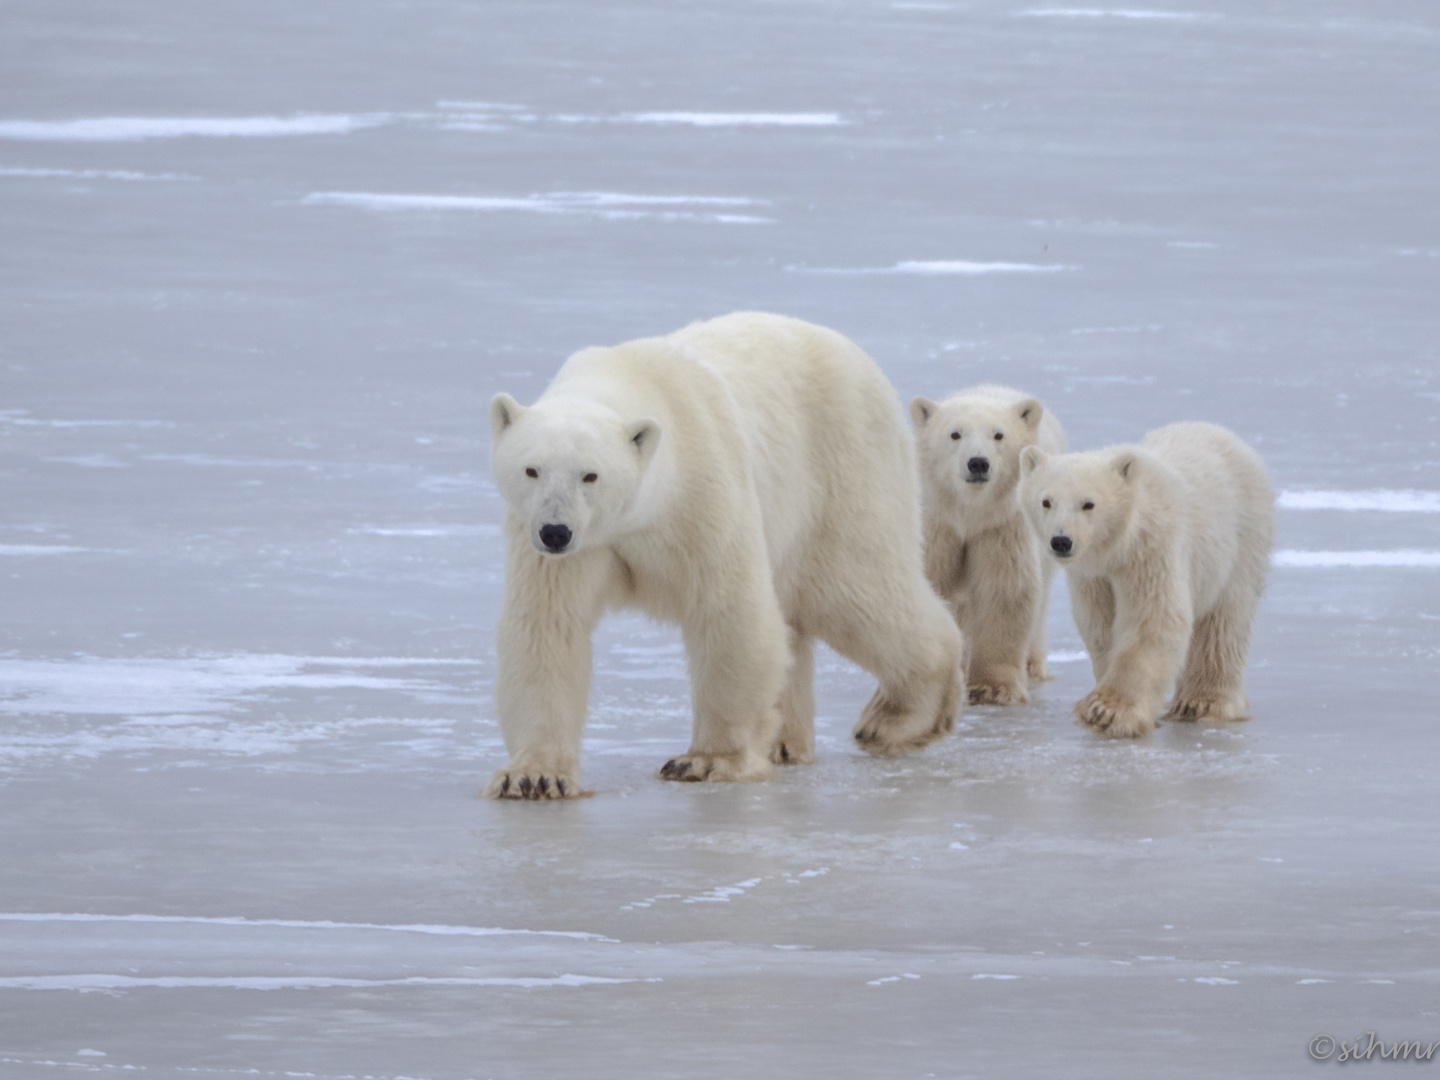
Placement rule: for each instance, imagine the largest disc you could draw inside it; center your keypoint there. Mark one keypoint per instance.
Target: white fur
(1170, 545)
(753, 482)
(980, 554)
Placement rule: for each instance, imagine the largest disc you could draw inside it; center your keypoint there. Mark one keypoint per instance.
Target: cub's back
(1228, 504)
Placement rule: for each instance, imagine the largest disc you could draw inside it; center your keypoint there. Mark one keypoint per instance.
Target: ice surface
(127, 128)
(1357, 558)
(264, 266)
(949, 266)
(613, 205)
(1395, 502)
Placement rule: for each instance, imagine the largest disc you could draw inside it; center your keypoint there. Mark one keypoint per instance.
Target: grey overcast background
(262, 265)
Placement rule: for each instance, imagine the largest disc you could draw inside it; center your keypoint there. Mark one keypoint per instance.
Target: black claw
(784, 753)
(504, 786)
(560, 786)
(526, 787)
(542, 787)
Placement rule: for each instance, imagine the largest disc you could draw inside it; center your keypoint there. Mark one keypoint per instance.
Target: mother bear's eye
(590, 477)
(532, 473)
(999, 435)
(1045, 503)
(954, 435)
(1087, 505)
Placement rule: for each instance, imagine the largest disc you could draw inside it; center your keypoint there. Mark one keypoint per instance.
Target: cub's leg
(1153, 632)
(736, 648)
(542, 679)
(1035, 656)
(999, 613)
(1092, 602)
(796, 743)
(1212, 683)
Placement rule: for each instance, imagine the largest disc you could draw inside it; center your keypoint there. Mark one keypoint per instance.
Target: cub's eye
(999, 435)
(591, 477)
(1087, 505)
(1045, 503)
(955, 435)
(532, 473)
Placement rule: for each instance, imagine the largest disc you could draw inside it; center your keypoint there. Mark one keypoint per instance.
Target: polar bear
(981, 555)
(1165, 547)
(749, 478)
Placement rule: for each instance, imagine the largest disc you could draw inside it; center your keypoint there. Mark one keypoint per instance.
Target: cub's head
(971, 447)
(569, 470)
(1079, 504)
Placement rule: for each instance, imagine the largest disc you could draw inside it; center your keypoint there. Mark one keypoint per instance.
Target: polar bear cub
(1165, 547)
(981, 555)
(749, 478)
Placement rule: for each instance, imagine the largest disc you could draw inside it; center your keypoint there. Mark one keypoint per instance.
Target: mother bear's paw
(887, 729)
(1112, 715)
(534, 781)
(697, 768)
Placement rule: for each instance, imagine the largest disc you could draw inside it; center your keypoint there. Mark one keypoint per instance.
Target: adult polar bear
(750, 478)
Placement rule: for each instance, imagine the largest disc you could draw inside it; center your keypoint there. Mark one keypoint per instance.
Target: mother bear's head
(569, 469)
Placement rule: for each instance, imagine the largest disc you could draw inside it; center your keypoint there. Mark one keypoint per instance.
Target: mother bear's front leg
(542, 680)
(737, 649)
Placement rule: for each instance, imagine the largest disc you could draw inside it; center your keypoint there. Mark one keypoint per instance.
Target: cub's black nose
(979, 466)
(557, 537)
(1061, 545)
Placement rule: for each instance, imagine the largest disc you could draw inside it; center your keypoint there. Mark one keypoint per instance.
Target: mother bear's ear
(504, 411)
(1031, 458)
(1127, 464)
(644, 436)
(921, 410)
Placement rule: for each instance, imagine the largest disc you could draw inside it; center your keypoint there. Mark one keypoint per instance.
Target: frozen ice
(264, 266)
(948, 266)
(613, 205)
(1395, 502)
(127, 128)
(1356, 558)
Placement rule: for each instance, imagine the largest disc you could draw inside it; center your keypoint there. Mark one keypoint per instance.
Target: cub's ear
(1030, 411)
(644, 436)
(1031, 458)
(504, 411)
(921, 410)
(1127, 464)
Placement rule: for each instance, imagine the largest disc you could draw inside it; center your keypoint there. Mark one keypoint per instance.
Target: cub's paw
(1206, 708)
(696, 768)
(886, 730)
(997, 694)
(1112, 716)
(520, 782)
(792, 752)
(1037, 670)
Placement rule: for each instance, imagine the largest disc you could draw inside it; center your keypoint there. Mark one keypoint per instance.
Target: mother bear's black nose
(1061, 545)
(555, 537)
(979, 466)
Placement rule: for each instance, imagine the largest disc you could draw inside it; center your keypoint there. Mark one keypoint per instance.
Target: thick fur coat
(981, 555)
(749, 479)
(1165, 547)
